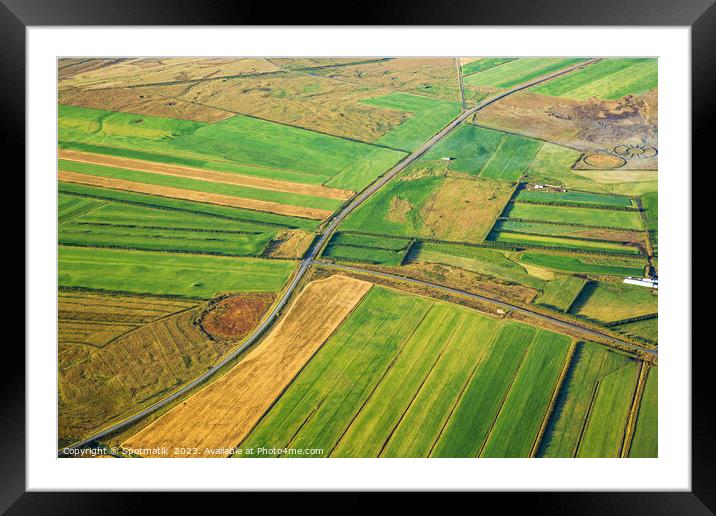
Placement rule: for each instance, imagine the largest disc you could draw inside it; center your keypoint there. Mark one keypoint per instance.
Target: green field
(560, 293)
(524, 409)
(527, 240)
(646, 329)
(163, 239)
(238, 140)
(480, 260)
(609, 302)
(650, 203)
(480, 65)
(593, 405)
(608, 79)
(486, 152)
(429, 117)
(174, 207)
(518, 71)
(168, 274)
(206, 164)
(563, 230)
(582, 264)
(120, 214)
(352, 253)
(395, 377)
(70, 207)
(645, 442)
(572, 215)
(572, 197)
(199, 185)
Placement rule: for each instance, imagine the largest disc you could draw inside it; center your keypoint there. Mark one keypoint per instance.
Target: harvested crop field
(224, 412)
(98, 386)
(97, 319)
(290, 244)
(206, 175)
(192, 195)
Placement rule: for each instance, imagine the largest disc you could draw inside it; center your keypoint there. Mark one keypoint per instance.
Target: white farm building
(642, 282)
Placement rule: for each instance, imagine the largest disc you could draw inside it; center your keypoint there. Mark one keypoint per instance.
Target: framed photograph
(420, 254)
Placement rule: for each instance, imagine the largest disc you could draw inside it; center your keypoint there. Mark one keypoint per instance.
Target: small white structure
(643, 282)
(446, 158)
(538, 187)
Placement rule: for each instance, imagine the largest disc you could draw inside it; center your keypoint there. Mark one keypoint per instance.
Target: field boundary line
(478, 363)
(171, 192)
(488, 435)
(420, 387)
(555, 394)
(585, 423)
(633, 415)
(380, 380)
(275, 400)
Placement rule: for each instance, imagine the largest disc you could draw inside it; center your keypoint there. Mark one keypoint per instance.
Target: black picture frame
(700, 15)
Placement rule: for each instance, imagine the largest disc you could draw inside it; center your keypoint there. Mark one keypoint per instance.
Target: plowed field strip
(206, 175)
(221, 415)
(193, 195)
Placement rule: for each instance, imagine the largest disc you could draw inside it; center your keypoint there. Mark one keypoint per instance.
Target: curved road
(318, 247)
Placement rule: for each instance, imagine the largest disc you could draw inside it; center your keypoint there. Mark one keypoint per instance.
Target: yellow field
(206, 175)
(292, 243)
(193, 195)
(223, 413)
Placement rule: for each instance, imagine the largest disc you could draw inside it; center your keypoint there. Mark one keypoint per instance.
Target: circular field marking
(629, 151)
(604, 161)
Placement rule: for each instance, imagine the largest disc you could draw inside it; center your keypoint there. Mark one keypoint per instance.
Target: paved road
(318, 247)
(507, 306)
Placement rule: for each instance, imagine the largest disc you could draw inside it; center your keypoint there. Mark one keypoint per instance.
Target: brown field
(301, 63)
(603, 161)
(74, 65)
(300, 99)
(588, 126)
(234, 316)
(98, 386)
(97, 319)
(478, 201)
(435, 77)
(138, 71)
(192, 195)
(292, 243)
(141, 102)
(206, 175)
(224, 412)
